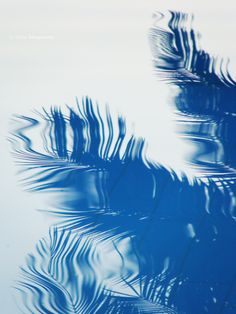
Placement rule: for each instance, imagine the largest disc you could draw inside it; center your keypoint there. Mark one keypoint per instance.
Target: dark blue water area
(131, 236)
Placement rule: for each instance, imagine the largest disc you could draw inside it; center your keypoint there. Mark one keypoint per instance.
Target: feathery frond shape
(206, 98)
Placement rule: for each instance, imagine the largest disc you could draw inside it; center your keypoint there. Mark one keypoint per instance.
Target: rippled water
(131, 236)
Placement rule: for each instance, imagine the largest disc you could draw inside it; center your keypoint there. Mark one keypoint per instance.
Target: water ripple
(131, 236)
(206, 97)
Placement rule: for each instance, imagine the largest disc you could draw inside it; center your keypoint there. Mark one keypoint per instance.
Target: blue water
(130, 236)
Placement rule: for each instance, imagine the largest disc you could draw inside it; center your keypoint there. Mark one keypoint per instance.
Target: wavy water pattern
(130, 235)
(63, 277)
(206, 98)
